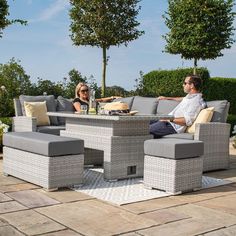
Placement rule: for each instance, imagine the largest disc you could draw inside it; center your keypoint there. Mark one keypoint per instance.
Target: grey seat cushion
(50, 102)
(55, 130)
(173, 148)
(188, 136)
(221, 109)
(64, 104)
(144, 105)
(166, 106)
(44, 144)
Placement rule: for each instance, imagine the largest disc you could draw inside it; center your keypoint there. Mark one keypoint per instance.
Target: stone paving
(26, 209)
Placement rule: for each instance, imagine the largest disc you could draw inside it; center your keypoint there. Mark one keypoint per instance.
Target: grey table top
(109, 117)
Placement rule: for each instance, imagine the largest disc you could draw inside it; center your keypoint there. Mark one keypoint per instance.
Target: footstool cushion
(44, 144)
(173, 148)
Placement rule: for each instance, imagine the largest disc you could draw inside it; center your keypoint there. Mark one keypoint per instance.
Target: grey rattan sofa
(22, 123)
(214, 134)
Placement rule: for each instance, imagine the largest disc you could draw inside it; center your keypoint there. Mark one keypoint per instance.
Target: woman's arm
(77, 106)
(107, 99)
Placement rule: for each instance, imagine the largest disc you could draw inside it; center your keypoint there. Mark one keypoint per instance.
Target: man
(185, 112)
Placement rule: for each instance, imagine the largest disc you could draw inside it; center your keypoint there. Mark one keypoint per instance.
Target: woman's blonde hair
(78, 87)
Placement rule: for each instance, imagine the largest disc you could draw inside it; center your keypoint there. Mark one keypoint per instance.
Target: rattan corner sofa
(214, 134)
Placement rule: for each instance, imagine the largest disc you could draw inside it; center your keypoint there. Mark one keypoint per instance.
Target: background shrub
(169, 82)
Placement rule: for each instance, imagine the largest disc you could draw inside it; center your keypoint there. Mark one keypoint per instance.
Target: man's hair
(196, 81)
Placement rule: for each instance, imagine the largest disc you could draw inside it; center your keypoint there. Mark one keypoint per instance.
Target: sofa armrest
(24, 123)
(213, 130)
(215, 136)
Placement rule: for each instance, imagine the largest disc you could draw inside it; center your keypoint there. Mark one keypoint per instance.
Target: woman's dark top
(81, 103)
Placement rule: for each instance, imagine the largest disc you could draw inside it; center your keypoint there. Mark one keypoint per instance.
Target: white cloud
(54, 9)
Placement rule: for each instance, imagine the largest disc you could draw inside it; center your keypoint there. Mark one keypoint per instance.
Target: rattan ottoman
(46, 160)
(173, 165)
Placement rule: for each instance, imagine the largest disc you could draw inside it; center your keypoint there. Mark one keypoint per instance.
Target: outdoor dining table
(121, 139)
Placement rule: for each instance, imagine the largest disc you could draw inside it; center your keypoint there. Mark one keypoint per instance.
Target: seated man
(185, 112)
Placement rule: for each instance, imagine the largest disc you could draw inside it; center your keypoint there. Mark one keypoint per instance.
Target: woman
(81, 97)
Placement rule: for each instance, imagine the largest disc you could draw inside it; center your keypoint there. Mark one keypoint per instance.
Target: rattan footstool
(173, 165)
(46, 160)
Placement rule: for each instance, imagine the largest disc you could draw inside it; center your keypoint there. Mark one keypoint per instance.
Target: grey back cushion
(144, 105)
(64, 104)
(166, 106)
(221, 109)
(50, 102)
(128, 100)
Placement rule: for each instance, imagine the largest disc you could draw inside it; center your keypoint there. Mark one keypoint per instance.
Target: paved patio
(26, 209)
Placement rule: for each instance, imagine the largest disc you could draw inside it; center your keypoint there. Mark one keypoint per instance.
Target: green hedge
(222, 88)
(169, 82)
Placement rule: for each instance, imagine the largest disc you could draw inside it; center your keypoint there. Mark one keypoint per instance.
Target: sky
(46, 51)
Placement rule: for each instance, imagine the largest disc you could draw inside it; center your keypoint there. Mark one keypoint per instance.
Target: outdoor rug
(128, 190)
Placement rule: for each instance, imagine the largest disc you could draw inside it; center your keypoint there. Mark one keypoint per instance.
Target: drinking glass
(83, 109)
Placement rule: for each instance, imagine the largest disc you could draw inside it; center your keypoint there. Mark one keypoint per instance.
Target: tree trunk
(104, 65)
(195, 66)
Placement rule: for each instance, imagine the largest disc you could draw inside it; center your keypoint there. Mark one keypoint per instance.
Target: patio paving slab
(3, 222)
(206, 214)
(31, 222)
(32, 199)
(165, 216)
(4, 198)
(10, 207)
(64, 233)
(154, 204)
(188, 227)
(229, 231)
(7, 180)
(131, 234)
(17, 187)
(93, 217)
(226, 204)
(206, 194)
(66, 195)
(9, 231)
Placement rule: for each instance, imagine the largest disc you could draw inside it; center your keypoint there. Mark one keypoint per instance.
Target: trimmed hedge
(222, 88)
(169, 82)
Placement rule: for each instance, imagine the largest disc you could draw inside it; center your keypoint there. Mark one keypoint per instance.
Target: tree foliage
(199, 29)
(15, 81)
(4, 21)
(104, 24)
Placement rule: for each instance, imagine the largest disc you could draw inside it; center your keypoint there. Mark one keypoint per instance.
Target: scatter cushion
(50, 102)
(38, 110)
(204, 116)
(64, 104)
(221, 108)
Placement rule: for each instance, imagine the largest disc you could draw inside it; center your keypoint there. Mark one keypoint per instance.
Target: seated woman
(82, 97)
